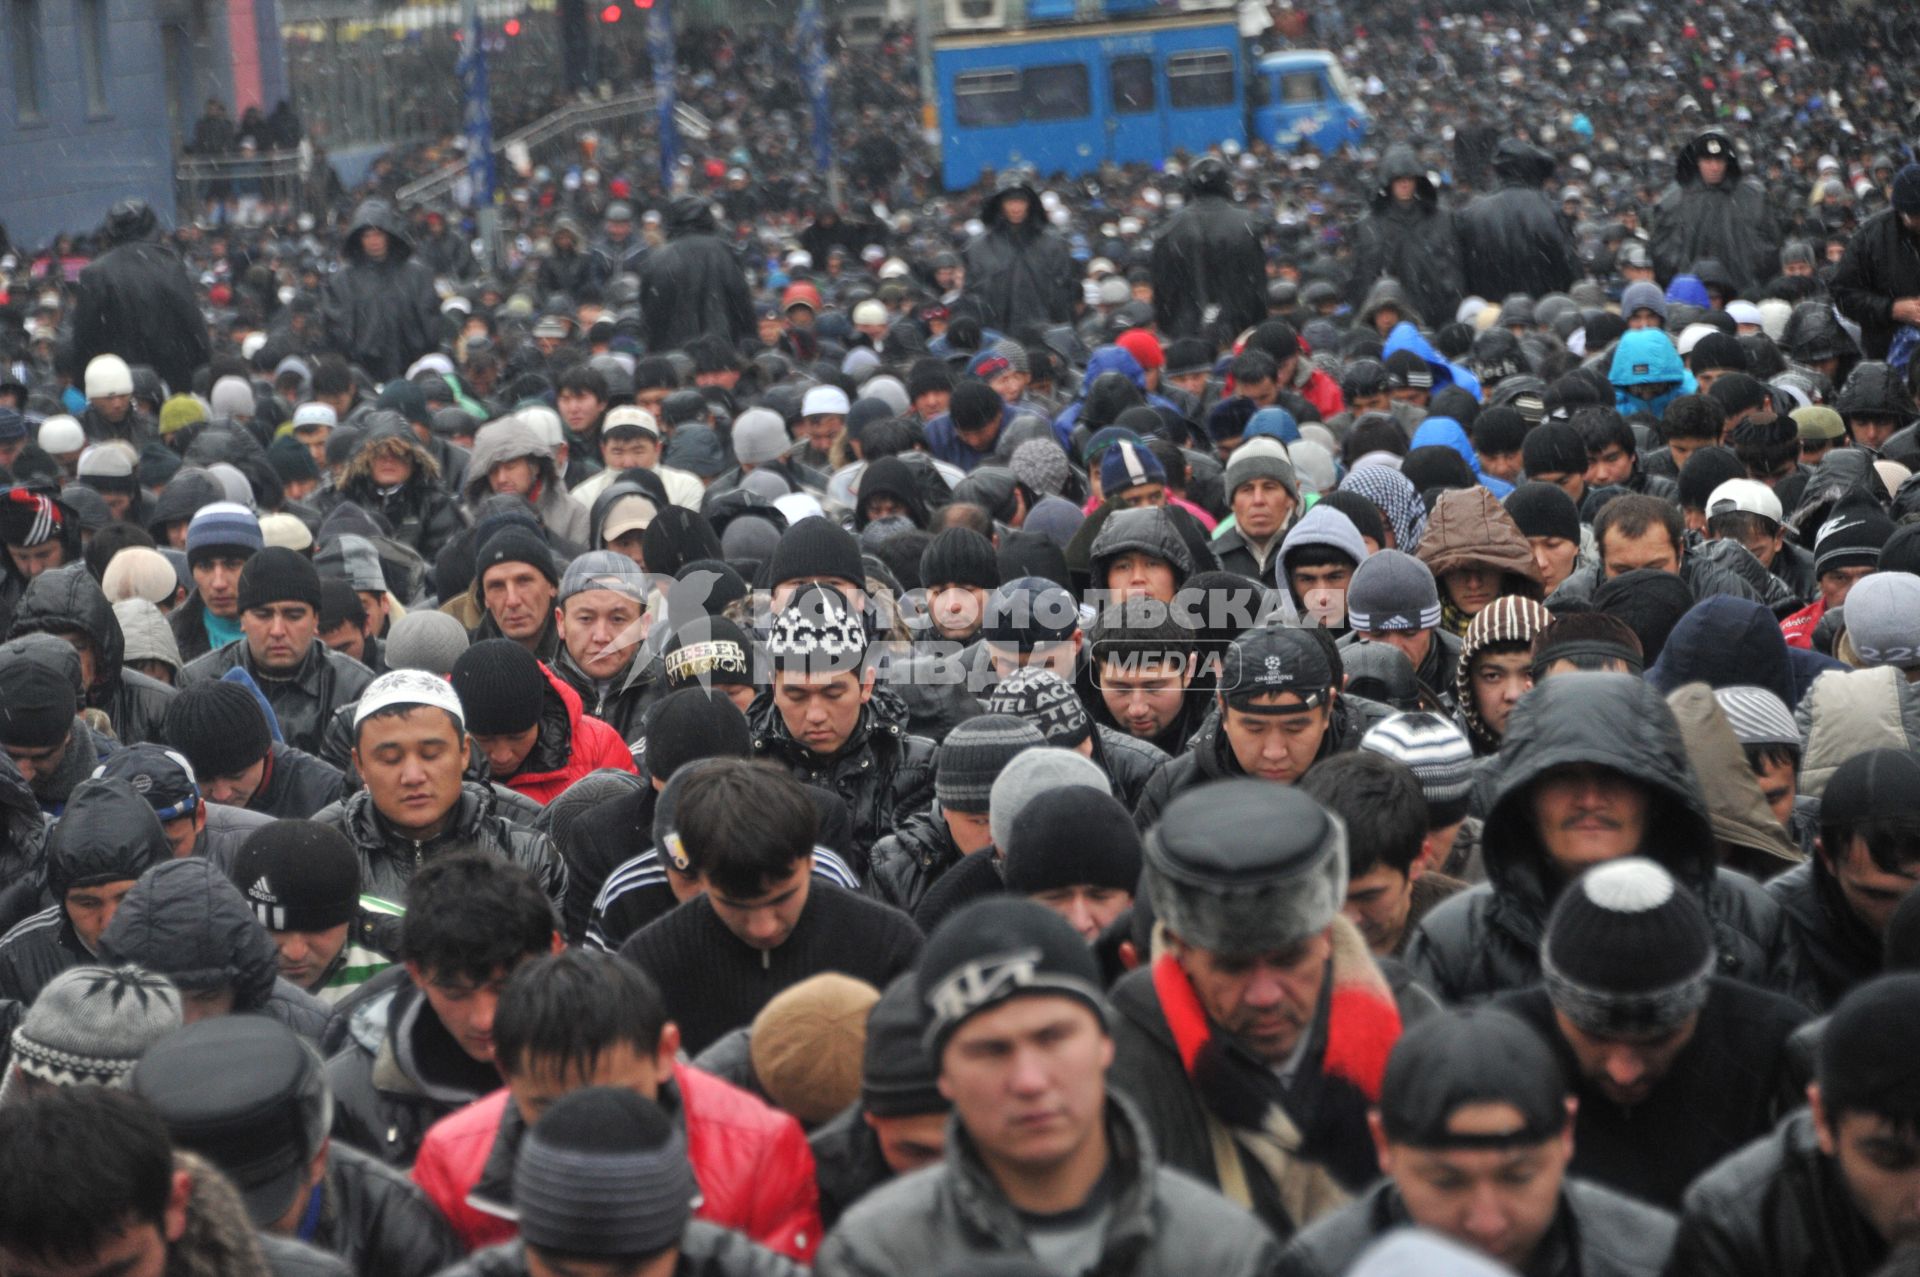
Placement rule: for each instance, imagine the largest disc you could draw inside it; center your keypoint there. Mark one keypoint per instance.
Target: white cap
(314, 414)
(108, 375)
(799, 259)
(1743, 313)
(408, 687)
(432, 361)
(1690, 337)
(61, 435)
(870, 311)
(797, 506)
(894, 268)
(287, 531)
(822, 400)
(1744, 496)
(251, 343)
(630, 416)
(113, 460)
(545, 423)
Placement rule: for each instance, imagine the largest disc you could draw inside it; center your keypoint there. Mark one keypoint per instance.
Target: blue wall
(69, 165)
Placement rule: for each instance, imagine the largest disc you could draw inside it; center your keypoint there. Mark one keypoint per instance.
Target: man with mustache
(1592, 768)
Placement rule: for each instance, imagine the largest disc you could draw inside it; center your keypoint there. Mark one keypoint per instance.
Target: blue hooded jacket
(1445, 432)
(1105, 360)
(1645, 356)
(1406, 337)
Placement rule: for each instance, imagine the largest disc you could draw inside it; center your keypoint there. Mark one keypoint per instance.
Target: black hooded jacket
(692, 285)
(382, 315)
(68, 598)
(186, 921)
(1208, 264)
(1416, 243)
(111, 837)
(1881, 266)
(135, 301)
(1487, 940)
(1513, 240)
(1730, 222)
(1022, 274)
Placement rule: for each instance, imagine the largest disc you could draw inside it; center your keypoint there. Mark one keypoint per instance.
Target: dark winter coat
(388, 860)
(628, 697)
(706, 1250)
(1832, 950)
(296, 785)
(1728, 1085)
(135, 301)
(1731, 222)
(382, 315)
(68, 598)
(847, 1162)
(883, 773)
(226, 830)
(1020, 275)
(1596, 1233)
(304, 703)
(422, 511)
(567, 272)
(1881, 266)
(395, 1070)
(692, 285)
(1416, 243)
(1513, 240)
(1208, 268)
(1777, 1208)
(374, 1218)
(186, 921)
(911, 858)
(954, 1214)
(1487, 940)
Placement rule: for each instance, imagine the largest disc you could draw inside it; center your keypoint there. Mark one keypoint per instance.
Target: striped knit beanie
(972, 756)
(1437, 754)
(91, 1024)
(1508, 619)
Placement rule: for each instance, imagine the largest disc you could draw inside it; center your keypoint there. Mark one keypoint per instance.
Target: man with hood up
(1647, 374)
(107, 839)
(67, 604)
(1513, 240)
(509, 457)
(380, 310)
(692, 285)
(185, 921)
(396, 477)
(1877, 284)
(136, 301)
(1019, 272)
(1407, 236)
(569, 267)
(1593, 768)
(1711, 211)
(1208, 266)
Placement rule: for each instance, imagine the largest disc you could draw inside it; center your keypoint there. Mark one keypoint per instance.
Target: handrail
(543, 130)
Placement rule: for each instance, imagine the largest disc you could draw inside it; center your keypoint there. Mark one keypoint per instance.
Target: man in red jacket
(529, 723)
(585, 1018)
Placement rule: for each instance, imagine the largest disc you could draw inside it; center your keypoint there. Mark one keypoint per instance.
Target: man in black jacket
(1877, 284)
(1832, 1189)
(1019, 271)
(1674, 1067)
(106, 840)
(280, 648)
(1209, 269)
(692, 285)
(223, 732)
(1474, 1131)
(67, 602)
(1408, 236)
(762, 923)
(416, 1042)
(135, 301)
(265, 1128)
(380, 309)
(1711, 212)
(1513, 239)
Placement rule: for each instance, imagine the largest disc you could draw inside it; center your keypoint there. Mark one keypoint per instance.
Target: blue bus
(1071, 98)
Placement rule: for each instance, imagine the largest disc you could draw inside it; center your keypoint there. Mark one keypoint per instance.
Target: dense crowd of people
(1289, 714)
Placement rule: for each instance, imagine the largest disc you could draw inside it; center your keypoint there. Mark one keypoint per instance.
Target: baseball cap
(1744, 496)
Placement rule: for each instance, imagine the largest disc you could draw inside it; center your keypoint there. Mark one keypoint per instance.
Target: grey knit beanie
(973, 755)
(1039, 771)
(426, 640)
(91, 1024)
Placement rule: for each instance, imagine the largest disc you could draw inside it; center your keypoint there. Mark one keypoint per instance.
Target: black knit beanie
(513, 544)
(1706, 470)
(298, 875)
(817, 549)
(37, 704)
(1544, 510)
(1650, 601)
(1070, 837)
(959, 556)
(897, 1078)
(694, 723)
(220, 727)
(1553, 447)
(500, 686)
(1628, 950)
(279, 575)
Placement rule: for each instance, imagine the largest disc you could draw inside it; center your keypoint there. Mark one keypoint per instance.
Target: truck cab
(1303, 95)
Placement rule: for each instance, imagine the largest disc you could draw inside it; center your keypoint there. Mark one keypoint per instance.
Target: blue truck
(1129, 89)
